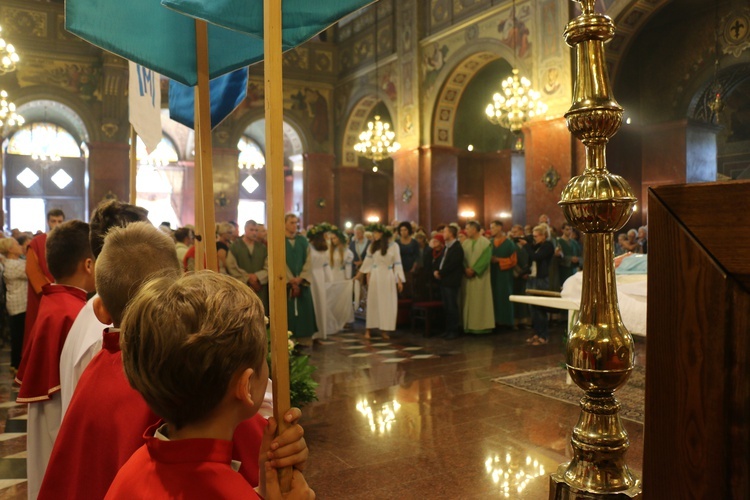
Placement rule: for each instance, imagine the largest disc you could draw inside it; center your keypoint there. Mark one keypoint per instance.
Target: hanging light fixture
(8, 56)
(251, 157)
(8, 115)
(378, 141)
(517, 102)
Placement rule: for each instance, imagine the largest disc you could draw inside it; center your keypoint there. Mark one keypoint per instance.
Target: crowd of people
(154, 387)
(100, 371)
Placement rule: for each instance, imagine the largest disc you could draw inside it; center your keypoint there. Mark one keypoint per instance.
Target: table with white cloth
(631, 293)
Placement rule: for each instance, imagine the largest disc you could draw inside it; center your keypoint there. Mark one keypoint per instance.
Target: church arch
(450, 85)
(253, 124)
(48, 104)
(361, 105)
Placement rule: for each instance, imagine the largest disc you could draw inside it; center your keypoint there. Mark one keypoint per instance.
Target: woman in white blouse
(16, 286)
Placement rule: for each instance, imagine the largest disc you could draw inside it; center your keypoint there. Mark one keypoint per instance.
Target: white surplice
(382, 294)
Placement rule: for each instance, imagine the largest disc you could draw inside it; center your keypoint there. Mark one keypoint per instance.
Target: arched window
(44, 169)
(43, 141)
(251, 161)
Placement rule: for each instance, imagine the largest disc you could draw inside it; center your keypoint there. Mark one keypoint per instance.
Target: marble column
(676, 152)
(109, 171)
(349, 202)
(318, 203)
(548, 150)
(438, 185)
(406, 184)
(498, 198)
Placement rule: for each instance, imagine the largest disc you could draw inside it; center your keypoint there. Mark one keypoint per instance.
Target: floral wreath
(321, 228)
(379, 228)
(340, 235)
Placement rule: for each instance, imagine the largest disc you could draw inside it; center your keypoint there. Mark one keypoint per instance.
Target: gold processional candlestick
(600, 352)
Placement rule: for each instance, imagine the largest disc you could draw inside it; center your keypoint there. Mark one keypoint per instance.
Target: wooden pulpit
(697, 425)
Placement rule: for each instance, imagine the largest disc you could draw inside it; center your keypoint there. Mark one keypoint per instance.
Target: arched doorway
(44, 166)
(252, 171)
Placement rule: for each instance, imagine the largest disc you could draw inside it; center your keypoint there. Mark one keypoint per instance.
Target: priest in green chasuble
(301, 315)
(504, 259)
(478, 313)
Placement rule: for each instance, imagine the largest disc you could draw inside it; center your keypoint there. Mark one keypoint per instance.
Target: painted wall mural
(78, 78)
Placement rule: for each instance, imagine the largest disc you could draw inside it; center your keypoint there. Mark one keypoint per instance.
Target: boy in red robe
(106, 419)
(71, 263)
(195, 349)
(38, 274)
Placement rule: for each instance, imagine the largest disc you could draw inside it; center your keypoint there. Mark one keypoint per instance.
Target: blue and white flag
(227, 92)
(144, 101)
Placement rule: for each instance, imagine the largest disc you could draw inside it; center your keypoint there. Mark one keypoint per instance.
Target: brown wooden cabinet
(697, 427)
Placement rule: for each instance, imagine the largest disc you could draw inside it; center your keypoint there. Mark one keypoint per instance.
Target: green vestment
(502, 282)
(300, 310)
(570, 248)
(478, 313)
(255, 263)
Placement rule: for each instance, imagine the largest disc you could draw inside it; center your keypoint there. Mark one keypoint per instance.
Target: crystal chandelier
(8, 56)
(378, 141)
(517, 102)
(251, 157)
(8, 115)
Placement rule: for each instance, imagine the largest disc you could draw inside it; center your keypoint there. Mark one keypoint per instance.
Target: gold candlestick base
(560, 490)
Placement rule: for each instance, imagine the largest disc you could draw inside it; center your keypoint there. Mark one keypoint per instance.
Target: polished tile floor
(409, 417)
(412, 417)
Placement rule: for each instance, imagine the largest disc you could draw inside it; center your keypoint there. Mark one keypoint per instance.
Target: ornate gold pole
(600, 351)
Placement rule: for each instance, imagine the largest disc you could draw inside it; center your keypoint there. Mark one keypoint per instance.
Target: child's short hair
(109, 214)
(130, 256)
(66, 247)
(183, 341)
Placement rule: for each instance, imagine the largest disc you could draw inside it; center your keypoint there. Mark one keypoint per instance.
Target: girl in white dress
(321, 274)
(340, 293)
(341, 257)
(383, 264)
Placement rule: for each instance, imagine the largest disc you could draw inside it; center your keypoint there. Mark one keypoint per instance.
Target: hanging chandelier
(251, 157)
(378, 141)
(8, 56)
(8, 115)
(517, 102)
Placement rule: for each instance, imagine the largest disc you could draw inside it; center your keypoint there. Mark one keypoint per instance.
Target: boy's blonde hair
(183, 341)
(130, 255)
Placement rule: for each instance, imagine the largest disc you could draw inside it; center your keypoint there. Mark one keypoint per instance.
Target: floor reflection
(410, 416)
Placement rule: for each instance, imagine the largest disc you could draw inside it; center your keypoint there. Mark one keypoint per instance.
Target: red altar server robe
(39, 275)
(188, 468)
(104, 426)
(39, 372)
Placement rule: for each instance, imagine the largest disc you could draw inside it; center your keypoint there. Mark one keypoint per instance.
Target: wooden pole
(133, 165)
(200, 227)
(204, 148)
(275, 200)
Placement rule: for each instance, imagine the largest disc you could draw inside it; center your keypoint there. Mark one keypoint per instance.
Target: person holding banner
(189, 454)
